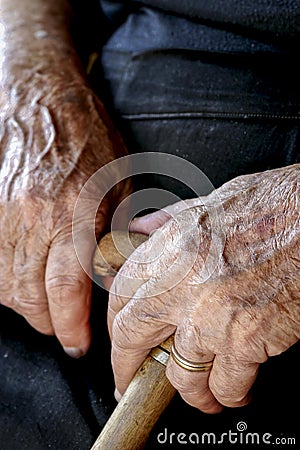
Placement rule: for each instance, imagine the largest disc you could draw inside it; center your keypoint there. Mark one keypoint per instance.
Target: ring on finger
(190, 365)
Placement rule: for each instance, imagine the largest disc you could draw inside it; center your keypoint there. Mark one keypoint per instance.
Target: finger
(147, 224)
(231, 380)
(29, 294)
(151, 222)
(192, 386)
(156, 266)
(135, 330)
(137, 281)
(122, 290)
(132, 277)
(69, 294)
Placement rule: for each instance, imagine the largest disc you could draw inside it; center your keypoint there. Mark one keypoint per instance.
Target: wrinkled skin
(40, 276)
(241, 310)
(54, 136)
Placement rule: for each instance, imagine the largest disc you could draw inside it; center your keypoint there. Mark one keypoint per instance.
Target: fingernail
(117, 395)
(74, 352)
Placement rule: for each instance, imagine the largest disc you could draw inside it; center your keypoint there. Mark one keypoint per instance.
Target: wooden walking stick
(149, 392)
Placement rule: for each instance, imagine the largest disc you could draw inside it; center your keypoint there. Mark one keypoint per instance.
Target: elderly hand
(54, 135)
(223, 274)
(51, 144)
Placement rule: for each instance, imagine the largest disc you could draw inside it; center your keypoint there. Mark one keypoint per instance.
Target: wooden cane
(149, 392)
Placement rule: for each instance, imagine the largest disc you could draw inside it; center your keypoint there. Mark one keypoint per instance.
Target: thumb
(151, 222)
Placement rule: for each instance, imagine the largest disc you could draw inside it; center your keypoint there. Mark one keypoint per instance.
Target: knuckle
(61, 287)
(121, 332)
(32, 306)
(223, 398)
(179, 382)
(221, 389)
(6, 297)
(227, 395)
(230, 402)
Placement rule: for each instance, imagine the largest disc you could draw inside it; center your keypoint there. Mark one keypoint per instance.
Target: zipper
(210, 115)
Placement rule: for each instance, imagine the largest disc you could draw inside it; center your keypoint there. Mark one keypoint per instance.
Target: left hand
(236, 303)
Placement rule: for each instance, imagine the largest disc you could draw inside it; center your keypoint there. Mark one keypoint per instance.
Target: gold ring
(190, 365)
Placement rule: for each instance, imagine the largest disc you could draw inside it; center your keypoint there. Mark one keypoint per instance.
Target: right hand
(53, 139)
(223, 275)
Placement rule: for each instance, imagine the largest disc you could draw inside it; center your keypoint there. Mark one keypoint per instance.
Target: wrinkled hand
(223, 274)
(52, 140)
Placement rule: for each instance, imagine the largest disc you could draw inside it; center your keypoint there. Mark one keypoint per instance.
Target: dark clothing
(215, 82)
(269, 20)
